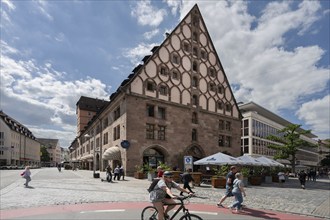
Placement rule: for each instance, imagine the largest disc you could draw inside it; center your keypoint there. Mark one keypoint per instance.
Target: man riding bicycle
(162, 194)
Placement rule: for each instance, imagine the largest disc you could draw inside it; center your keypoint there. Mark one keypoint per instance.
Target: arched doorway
(152, 157)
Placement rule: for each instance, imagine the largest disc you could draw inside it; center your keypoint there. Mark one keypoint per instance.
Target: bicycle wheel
(189, 216)
(149, 213)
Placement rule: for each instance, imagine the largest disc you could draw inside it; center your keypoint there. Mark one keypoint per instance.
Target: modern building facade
(177, 103)
(258, 123)
(54, 149)
(18, 146)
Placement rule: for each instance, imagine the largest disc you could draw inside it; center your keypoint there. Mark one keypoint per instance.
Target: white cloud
(9, 4)
(147, 14)
(316, 113)
(42, 6)
(151, 34)
(136, 54)
(254, 49)
(174, 4)
(48, 99)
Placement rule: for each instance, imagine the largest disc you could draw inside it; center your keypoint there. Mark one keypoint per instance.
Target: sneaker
(230, 207)
(220, 205)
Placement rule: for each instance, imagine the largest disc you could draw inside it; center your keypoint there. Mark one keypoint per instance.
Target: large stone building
(177, 103)
(18, 146)
(258, 123)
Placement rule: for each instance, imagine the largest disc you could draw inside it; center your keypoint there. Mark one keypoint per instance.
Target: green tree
(289, 142)
(44, 154)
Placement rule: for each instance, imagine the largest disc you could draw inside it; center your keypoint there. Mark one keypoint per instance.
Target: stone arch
(154, 154)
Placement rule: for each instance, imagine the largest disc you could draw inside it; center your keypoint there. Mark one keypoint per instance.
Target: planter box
(255, 180)
(139, 175)
(218, 182)
(197, 176)
(275, 179)
(268, 179)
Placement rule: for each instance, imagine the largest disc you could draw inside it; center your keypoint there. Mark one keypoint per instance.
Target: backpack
(153, 184)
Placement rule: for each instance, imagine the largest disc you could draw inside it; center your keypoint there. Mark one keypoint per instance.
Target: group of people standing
(118, 173)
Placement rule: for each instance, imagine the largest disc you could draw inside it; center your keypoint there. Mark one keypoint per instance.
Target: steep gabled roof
(16, 126)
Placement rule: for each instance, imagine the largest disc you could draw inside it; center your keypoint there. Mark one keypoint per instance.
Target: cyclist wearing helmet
(162, 194)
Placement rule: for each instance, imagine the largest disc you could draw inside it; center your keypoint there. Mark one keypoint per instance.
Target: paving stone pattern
(50, 187)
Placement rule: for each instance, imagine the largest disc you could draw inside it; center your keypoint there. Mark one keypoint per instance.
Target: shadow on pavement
(257, 213)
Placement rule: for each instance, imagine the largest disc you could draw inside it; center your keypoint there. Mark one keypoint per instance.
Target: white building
(18, 146)
(258, 123)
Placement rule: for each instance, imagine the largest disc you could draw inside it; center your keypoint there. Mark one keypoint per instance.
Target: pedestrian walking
(281, 178)
(121, 172)
(302, 178)
(108, 171)
(186, 179)
(238, 191)
(116, 173)
(229, 184)
(27, 176)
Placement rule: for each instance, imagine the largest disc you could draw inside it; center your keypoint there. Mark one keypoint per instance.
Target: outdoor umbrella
(218, 159)
(271, 162)
(248, 160)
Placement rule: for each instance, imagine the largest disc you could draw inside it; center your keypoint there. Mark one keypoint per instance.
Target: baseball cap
(168, 173)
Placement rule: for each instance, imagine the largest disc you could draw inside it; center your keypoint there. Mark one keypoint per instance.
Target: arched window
(194, 134)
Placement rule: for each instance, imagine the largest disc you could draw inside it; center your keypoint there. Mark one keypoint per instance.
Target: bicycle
(151, 213)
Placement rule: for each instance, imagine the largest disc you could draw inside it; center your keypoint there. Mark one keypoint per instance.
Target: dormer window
(212, 87)
(186, 47)
(195, 51)
(175, 59)
(163, 71)
(194, 81)
(212, 72)
(194, 36)
(220, 89)
(195, 66)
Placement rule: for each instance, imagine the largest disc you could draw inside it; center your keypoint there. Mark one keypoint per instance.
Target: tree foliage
(288, 143)
(44, 154)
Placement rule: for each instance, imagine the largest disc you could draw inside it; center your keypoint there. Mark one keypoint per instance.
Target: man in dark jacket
(302, 178)
(186, 179)
(229, 185)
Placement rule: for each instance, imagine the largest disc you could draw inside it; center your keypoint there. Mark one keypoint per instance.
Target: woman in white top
(238, 191)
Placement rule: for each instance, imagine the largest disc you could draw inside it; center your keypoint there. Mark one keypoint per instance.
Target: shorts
(228, 192)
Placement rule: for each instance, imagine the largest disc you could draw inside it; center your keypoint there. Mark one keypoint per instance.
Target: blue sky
(275, 53)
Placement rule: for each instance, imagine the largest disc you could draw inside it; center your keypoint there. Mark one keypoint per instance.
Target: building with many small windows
(177, 103)
(18, 146)
(258, 123)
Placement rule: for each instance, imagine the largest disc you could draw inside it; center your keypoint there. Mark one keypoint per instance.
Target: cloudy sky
(275, 53)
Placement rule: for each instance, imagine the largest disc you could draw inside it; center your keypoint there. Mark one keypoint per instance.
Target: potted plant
(151, 172)
(256, 177)
(246, 172)
(138, 174)
(219, 179)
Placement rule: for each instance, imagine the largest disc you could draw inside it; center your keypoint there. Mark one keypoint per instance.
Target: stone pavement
(49, 187)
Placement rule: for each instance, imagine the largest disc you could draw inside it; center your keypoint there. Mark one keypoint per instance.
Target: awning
(86, 157)
(112, 153)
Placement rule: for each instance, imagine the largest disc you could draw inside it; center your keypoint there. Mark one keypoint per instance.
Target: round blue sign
(125, 144)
